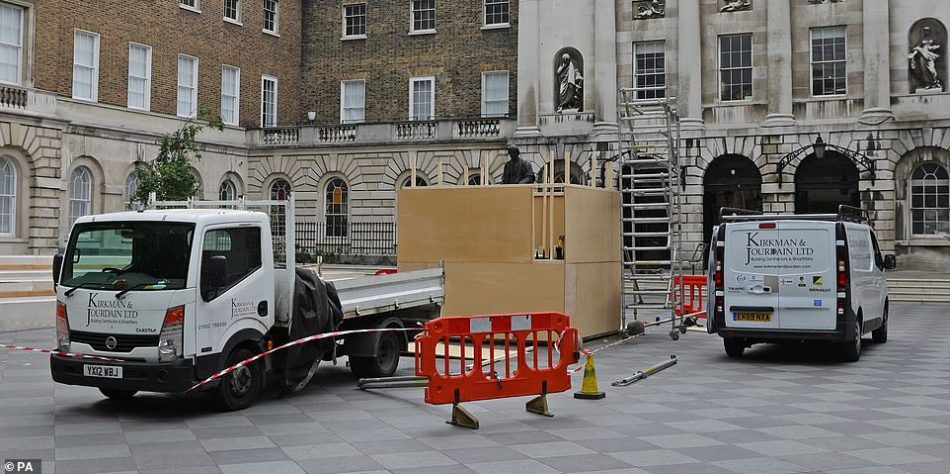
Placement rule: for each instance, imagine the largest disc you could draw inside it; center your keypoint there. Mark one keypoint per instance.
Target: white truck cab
(777, 278)
(175, 296)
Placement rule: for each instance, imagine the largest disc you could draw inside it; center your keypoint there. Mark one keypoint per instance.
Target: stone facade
(877, 117)
(460, 49)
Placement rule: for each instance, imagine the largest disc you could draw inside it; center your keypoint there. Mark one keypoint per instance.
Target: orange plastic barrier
(478, 375)
(692, 299)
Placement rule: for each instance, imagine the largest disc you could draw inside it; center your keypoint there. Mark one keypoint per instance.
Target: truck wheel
(240, 388)
(118, 395)
(385, 362)
(734, 347)
(851, 350)
(879, 335)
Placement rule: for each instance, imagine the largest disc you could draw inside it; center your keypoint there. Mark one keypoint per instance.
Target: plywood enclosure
(486, 237)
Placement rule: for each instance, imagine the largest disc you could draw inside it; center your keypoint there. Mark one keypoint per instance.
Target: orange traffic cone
(589, 385)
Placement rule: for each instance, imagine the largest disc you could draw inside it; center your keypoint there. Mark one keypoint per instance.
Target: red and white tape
(14, 347)
(297, 342)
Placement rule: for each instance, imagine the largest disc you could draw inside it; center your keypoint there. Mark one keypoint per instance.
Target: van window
(859, 242)
(241, 246)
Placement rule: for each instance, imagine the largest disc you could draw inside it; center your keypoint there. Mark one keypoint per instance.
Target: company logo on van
(110, 311)
(758, 248)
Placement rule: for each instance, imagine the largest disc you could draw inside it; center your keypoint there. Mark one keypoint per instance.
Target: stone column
(877, 65)
(605, 68)
(529, 68)
(779, 28)
(689, 65)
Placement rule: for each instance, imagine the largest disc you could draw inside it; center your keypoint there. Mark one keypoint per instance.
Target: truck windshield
(128, 255)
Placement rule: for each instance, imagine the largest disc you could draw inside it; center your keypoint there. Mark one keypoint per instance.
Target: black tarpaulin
(316, 310)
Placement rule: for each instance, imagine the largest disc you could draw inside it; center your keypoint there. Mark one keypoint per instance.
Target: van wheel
(118, 395)
(851, 350)
(734, 347)
(239, 389)
(385, 362)
(879, 335)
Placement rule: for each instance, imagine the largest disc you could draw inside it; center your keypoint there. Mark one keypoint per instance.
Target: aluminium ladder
(649, 185)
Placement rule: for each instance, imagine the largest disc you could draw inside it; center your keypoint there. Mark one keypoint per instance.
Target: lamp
(819, 147)
(311, 116)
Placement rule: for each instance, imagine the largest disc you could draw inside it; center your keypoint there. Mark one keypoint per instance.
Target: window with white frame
(140, 76)
(280, 190)
(421, 98)
(649, 69)
(352, 101)
(7, 197)
(407, 182)
(192, 4)
(11, 43)
(354, 20)
(735, 67)
(496, 12)
(271, 16)
(230, 94)
(423, 15)
(930, 199)
(80, 194)
(86, 66)
(232, 10)
(336, 214)
(227, 191)
(495, 94)
(268, 101)
(187, 86)
(829, 69)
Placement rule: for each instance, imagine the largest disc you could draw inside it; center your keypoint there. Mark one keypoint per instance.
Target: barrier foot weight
(461, 417)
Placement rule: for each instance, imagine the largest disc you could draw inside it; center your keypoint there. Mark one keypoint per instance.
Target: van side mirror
(57, 267)
(214, 275)
(890, 262)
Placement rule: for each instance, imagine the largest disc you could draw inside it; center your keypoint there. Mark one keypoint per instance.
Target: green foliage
(169, 176)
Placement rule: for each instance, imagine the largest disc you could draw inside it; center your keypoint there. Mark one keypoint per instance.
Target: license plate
(106, 371)
(755, 317)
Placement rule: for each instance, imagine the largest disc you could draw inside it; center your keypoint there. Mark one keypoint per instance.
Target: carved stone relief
(736, 6)
(648, 9)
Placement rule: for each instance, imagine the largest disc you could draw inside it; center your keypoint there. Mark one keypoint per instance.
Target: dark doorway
(730, 181)
(821, 185)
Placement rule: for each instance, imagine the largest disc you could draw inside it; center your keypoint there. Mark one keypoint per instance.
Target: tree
(169, 176)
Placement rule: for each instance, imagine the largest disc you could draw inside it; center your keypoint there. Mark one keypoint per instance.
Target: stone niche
(927, 57)
(568, 81)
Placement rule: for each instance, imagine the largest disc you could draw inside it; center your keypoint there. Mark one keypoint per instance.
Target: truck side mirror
(214, 275)
(57, 266)
(890, 262)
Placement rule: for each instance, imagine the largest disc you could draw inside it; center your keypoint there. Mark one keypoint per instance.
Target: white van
(776, 278)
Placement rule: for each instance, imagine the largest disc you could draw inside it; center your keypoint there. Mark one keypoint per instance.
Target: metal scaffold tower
(650, 190)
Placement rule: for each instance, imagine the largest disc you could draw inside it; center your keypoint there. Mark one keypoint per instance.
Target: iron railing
(346, 239)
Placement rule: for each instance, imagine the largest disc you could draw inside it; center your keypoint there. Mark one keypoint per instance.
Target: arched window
(7, 197)
(80, 194)
(132, 189)
(337, 208)
(474, 179)
(420, 181)
(279, 191)
(930, 199)
(227, 191)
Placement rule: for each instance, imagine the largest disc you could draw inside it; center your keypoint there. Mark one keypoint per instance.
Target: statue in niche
(569, 91)
(923, 62)
(645, 11)
(736, 6)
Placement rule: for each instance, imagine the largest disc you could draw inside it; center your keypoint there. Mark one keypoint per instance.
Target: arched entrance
(821, 185)
(730, 181)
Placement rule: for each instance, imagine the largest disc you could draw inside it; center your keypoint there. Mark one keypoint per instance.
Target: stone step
(17, 314)
(26, 288)
(25, 262)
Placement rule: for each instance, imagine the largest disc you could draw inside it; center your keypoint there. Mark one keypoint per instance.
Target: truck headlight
(170, 339)
(62, 327)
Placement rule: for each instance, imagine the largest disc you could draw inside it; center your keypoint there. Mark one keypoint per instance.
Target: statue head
(513, 151)
(565, 57)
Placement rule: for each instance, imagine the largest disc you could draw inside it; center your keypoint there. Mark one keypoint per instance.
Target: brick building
(88, 88)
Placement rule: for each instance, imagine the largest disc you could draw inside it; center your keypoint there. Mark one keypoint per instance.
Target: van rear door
(807, 282)
(750, 279)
